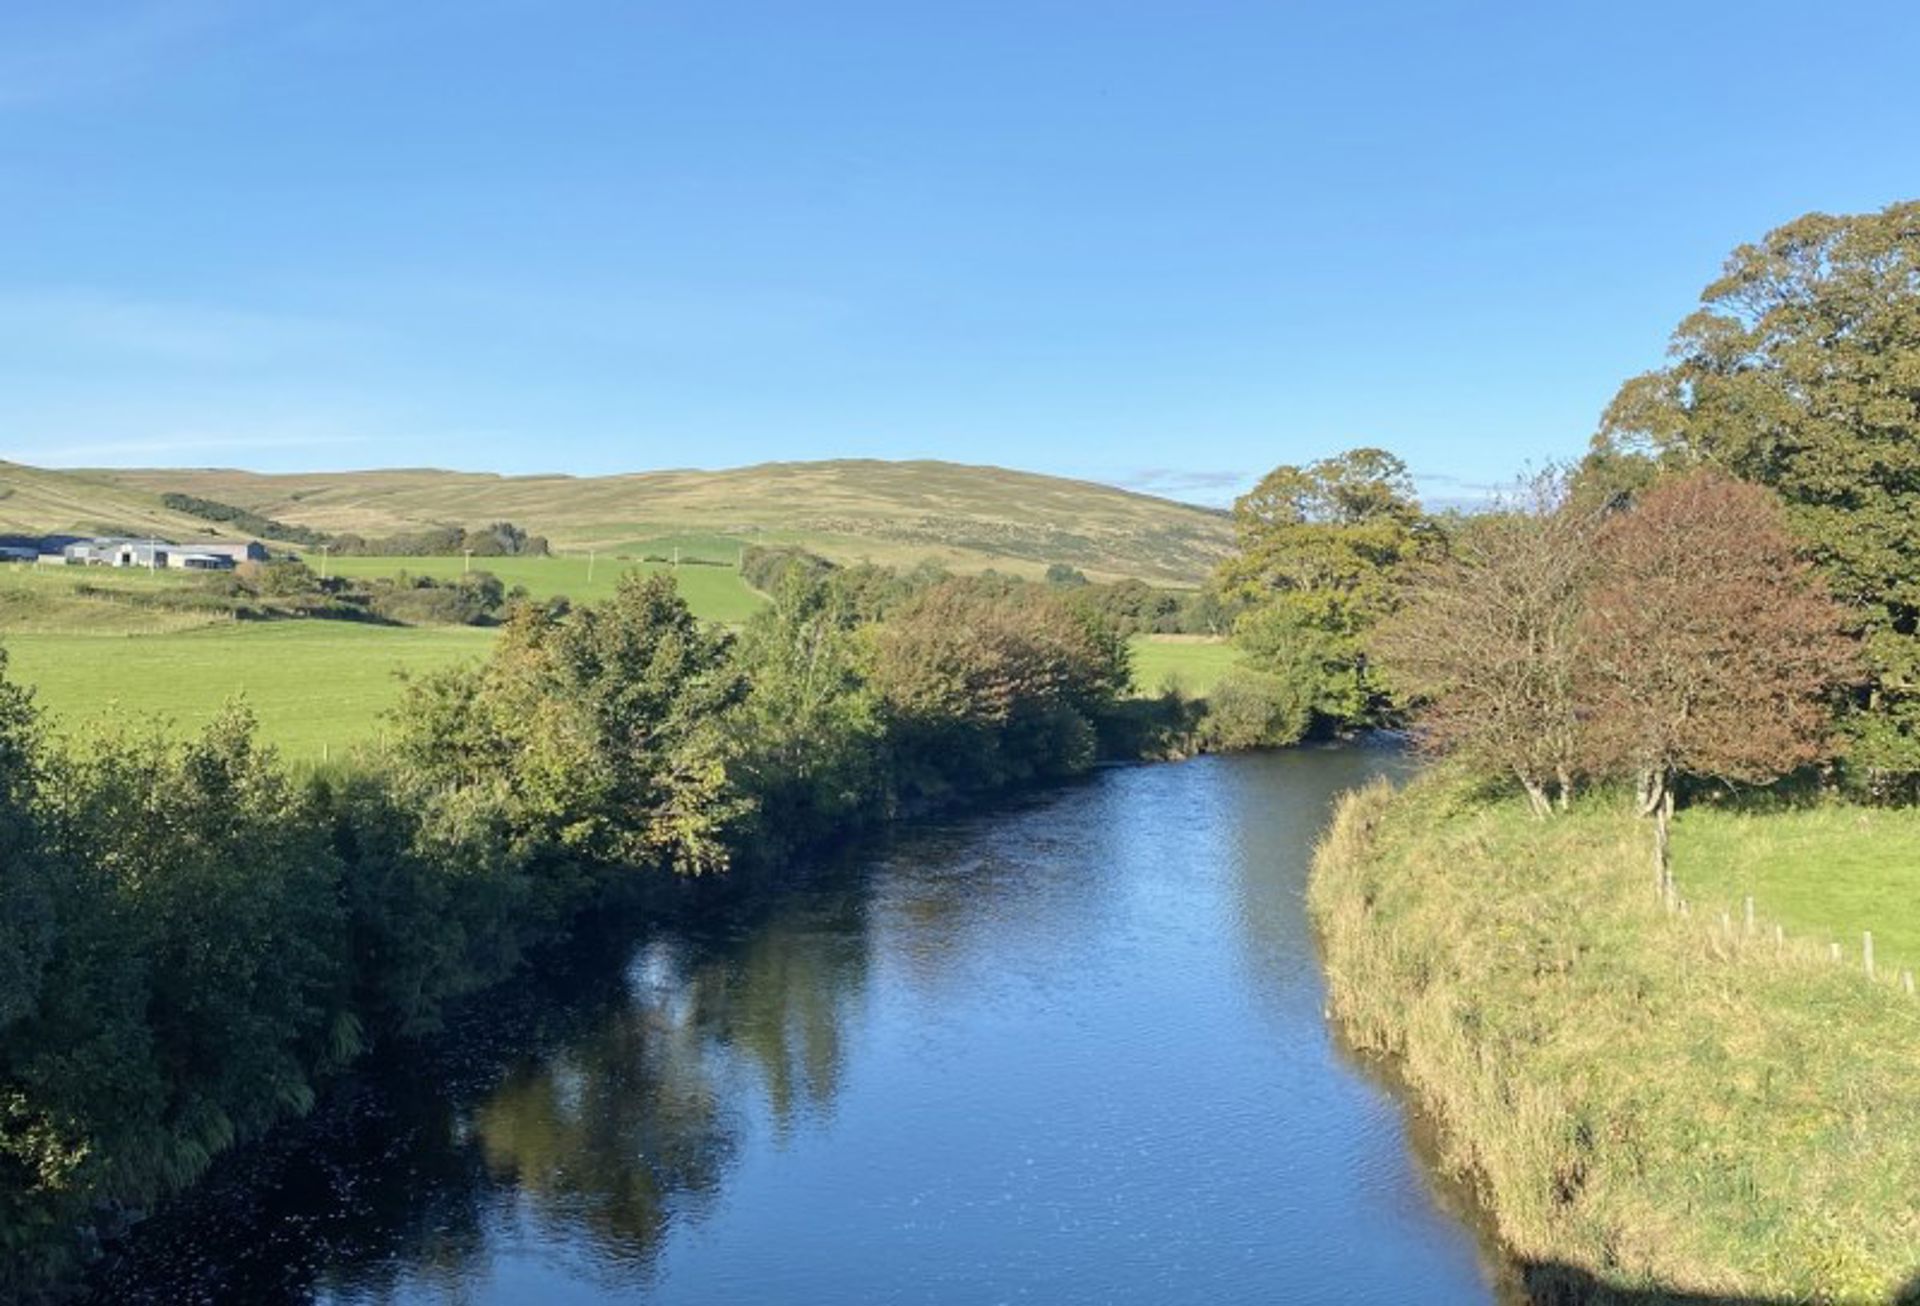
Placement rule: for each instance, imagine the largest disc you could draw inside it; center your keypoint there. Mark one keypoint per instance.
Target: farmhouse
(195, 555)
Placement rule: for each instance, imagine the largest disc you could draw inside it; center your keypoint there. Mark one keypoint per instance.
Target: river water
(1067, 1050)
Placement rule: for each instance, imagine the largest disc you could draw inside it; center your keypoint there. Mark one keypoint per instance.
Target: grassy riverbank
(1647, 1103)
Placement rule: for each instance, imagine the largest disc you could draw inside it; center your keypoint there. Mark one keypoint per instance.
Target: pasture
(316, 686)
(1191, 663)
(1825, 873)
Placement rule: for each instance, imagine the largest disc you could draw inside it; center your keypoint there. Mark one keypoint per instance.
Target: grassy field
(715, 593)
(1827, 873)
(1191, 663)
(893, 513)
(1648, 1103)
(325, 683)
(313, 684)
(48, 600)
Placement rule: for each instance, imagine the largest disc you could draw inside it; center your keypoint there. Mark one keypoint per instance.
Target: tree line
(194, 937)
(1727, 587)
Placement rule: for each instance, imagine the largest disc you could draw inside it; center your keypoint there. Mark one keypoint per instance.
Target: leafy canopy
(1801, 371)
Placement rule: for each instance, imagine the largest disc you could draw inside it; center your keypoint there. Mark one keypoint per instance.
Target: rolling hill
(34, 502)
(964, 517)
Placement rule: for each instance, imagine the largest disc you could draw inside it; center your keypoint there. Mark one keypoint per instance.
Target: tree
(1801, 371)
(1488, 641)
(604, 727)
(808, 734)
(1321, 547)
(26, 916)
(984, 685)
(1708, 645)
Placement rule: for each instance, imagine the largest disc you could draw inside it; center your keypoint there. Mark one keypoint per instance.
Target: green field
(715, 593)
(1192, 664)
(1826, 873)
(315, 685)
(318, 685)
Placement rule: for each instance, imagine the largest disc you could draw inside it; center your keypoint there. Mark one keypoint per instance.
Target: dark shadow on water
(1564, 1285)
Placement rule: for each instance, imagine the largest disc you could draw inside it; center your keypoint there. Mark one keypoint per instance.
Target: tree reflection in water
(601, 1104)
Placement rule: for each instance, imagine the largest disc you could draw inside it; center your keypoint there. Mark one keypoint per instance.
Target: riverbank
(1650, 1106)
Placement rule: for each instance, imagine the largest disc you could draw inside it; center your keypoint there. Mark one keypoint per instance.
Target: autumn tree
(1320, 549)
(1801, 371)
(1487, 643)
(1708, 645)
(983, 684)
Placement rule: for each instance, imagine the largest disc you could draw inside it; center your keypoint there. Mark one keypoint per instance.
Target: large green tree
(598, 731)
(1801, 371)
(1321, 546)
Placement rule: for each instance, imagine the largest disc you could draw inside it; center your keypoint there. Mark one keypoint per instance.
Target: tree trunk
(1662, 842)
(1566, 789)
(1537, 798)
(1651, 788)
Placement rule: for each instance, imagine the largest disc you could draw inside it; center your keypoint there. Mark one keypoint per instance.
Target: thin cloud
(1180, 483)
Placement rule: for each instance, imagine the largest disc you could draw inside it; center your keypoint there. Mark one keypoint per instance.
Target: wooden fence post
(1749, 915)
(1866, 951)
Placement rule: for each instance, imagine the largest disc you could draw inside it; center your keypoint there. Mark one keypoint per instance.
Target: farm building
(197, 555)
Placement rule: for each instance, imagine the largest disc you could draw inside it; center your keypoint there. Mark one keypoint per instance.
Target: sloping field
(898, 513)
(35, 502)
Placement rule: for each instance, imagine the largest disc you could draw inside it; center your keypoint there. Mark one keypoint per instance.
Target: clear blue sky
(1165, 244)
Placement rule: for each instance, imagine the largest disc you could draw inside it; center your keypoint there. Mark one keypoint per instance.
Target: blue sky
(1166, 245)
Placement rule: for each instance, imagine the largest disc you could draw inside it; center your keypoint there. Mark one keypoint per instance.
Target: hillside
(36, 503)
(964, 517)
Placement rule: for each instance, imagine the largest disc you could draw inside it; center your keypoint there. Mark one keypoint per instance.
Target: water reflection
(1068, 1050)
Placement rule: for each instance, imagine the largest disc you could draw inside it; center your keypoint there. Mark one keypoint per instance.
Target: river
(1070, 1049)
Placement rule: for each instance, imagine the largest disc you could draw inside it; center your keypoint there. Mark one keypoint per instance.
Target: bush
(1254, 709)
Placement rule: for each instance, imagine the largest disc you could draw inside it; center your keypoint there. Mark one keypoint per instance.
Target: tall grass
(1647, 1102)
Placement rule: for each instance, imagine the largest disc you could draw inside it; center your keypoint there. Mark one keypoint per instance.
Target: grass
(315, 685)
(1191, 663)
(1828, 872)
(49, 600)
(1645, 1102)
(715, 593)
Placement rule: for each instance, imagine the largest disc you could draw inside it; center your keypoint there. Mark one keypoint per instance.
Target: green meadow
(318, 687)
(1825, 873)
(1189, 663)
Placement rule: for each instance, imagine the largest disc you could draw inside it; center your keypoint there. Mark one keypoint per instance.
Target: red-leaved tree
(1709, 645)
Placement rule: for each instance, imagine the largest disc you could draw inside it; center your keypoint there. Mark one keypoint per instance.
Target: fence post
(1866, 951)
(1906, 980)
(1833, 950)
(1749, 915)
(1779, 936)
